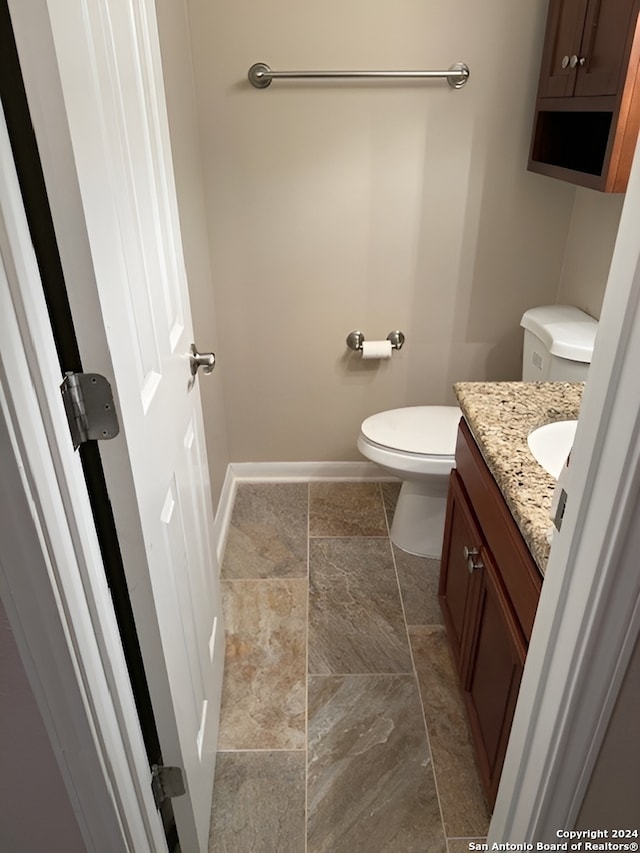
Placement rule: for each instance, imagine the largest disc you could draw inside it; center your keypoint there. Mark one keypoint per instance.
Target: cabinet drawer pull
(470, 555)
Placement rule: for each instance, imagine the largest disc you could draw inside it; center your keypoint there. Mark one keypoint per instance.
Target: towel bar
(260, 75)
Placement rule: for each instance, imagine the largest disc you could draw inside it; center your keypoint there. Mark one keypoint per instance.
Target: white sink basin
(550, 445)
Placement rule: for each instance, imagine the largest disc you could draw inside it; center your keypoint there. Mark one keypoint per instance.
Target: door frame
(52, 579)
(588, 618)
(36, 206)
(93, 78)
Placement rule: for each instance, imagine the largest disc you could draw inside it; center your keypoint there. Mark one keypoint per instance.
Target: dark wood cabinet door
(586, 44)
(564, 36)
(461, 548)
(609, 25)
(491, 688)
(587, 115)
(488, 595)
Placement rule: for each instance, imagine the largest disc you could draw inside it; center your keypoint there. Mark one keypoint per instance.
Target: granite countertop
(501, 415)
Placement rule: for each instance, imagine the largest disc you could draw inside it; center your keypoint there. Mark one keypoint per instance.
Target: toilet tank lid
(565, 331)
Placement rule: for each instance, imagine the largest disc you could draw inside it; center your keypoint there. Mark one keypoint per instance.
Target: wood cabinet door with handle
(497, 656)
(608, 30)
(586, 43)
(565, 25)
(461, 567)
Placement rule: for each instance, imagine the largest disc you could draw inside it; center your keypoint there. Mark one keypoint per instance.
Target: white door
(52, 580)
(103, 136)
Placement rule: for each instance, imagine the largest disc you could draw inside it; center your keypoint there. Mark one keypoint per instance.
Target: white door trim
(94, 83)
(589, 613)
(52, 579)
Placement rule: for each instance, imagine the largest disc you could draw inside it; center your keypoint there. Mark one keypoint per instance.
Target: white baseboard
(293, 472)
(222, 519)
(284, 472)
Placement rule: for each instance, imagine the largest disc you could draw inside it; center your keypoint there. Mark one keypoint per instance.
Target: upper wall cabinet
(587, 112)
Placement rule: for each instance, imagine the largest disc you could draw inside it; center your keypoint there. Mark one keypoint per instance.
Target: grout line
(467, 838)
(417, 684)
(349, 536)
(386, 518)
(426, 728)
(302, 578)
(359, 674)
(262, 749)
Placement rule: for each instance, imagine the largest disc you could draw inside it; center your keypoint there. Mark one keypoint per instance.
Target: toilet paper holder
(356, 339)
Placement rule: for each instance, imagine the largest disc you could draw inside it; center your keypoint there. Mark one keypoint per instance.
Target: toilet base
(418, 520)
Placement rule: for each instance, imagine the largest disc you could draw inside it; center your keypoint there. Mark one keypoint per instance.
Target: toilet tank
(558, 344)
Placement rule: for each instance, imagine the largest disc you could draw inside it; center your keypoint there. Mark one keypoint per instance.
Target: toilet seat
(426, 430)
(415, 440)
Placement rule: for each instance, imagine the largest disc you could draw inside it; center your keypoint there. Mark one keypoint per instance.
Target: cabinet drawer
(520, 575)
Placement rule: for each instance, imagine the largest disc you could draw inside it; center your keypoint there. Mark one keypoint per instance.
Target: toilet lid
(428, 430)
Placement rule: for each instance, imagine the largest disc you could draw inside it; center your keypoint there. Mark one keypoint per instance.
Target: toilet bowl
(416, 444)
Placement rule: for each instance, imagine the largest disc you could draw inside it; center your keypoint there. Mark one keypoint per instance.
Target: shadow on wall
(492, 246)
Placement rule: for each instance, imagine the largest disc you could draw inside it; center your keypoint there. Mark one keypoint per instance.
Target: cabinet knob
(582, 60)
(565, 61)
(472, 555)
(574, 61)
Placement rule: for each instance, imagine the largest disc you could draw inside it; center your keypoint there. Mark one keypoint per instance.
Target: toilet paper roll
(376, 349)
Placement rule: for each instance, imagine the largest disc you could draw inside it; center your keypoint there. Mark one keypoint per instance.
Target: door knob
(206, 360)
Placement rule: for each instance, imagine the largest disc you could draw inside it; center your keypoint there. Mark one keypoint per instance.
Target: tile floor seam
(417, 686)
(415, 672)
(227, 749)
(466, 837)
(348, 536)
(359, 674)
(265, 580)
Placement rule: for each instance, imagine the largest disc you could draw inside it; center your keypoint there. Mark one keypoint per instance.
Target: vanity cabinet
(587, 112)
(489, 590)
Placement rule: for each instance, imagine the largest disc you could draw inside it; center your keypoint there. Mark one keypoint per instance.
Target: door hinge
(559, 509)
(88, 402)
(166, 782)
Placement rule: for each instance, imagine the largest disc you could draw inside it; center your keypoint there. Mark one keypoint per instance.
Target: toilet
(417, 444)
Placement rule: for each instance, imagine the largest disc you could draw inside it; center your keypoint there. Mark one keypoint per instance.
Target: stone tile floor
(342, 728)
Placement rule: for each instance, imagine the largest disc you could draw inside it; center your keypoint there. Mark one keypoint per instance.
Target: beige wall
(35, 810)
(612, 797)
(335, 207)
(592, 234)
(175, 45)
